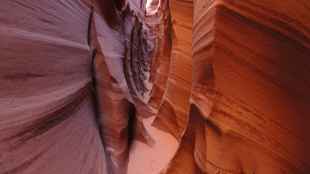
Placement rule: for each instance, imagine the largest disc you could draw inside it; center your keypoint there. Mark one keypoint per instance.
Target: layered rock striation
(154, 87)
(250, 83)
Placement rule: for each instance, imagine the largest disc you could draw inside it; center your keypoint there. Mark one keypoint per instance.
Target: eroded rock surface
(251, 84)
(154, 87)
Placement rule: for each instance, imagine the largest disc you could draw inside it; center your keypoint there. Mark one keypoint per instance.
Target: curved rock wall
(251, 85)
(156, 87)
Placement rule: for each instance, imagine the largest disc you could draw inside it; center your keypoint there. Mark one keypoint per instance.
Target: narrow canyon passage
(154, 87)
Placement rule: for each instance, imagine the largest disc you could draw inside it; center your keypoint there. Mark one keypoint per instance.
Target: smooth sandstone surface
(47, 118)
(250, 82)
(186, 87)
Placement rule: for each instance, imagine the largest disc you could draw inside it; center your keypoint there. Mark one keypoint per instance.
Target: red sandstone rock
(251, 84)
(170, 87)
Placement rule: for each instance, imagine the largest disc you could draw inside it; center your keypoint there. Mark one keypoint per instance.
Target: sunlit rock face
(157, 87)
(165, 127)
(160, 114)
(250, 83)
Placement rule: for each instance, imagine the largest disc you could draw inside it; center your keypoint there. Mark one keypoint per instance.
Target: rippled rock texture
(251, 84)
(154, 87)
(92, 86)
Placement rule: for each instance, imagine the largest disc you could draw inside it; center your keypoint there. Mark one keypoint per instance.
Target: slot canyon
(154, 87)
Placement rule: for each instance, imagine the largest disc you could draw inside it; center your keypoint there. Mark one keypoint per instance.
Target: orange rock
(251, 84)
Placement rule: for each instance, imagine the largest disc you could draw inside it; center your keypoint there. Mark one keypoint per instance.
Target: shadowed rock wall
(159, 87)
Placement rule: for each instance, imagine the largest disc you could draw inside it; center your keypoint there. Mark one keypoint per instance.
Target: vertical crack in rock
(132, 52)
(142, 47)
(137, 44)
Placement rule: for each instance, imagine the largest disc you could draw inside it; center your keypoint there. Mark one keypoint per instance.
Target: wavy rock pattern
(251, 84)
(154, 87)
(47, 118)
